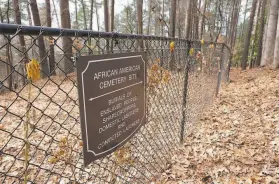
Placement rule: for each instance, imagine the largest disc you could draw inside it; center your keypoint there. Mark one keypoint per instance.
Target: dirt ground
(237, 139)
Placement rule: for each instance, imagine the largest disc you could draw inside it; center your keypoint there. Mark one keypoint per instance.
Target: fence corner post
(185, 90)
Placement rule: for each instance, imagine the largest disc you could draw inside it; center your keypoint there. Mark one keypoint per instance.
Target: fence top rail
(50, 31)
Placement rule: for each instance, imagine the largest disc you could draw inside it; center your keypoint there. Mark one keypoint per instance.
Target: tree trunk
(29, 14)
(106, 15)
(178, 19)
(271, 33)
(276, 50)
(112, 16)
(91, 15)
(97, 16)
(51, 46)
(244, 19)
(139, 20)
(188, 19)
(56, 14)
(139, 16)
(76, 15)
(42, 49)
(203, 19)
(196, 20)
(234, 22)
(9, 65)
(255, 31)
(149, 17)
(172, 31)
(67, 64)
(23, 52)
(163, 18)
(248, 36)
(172, 18)
(84, 15)
(261, 32)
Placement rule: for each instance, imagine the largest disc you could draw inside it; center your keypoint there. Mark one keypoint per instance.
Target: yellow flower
(211, 46)
(202, 41)
(51, 41)
(191, 52)
(172, 46)
(33, 70)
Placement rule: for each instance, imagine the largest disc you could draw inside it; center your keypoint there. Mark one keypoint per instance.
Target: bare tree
(51, 46)
(244, 19)
(163, 18)
(188, 19)
(29, 14)
(67, 64)
(76, 15)
(271, 33)
(97, 15)
(23, 52)
(84, 15)
(248, 36)
(234, 22)
(255, 31)
(41, 44)
(112, 16)
(203, 19)
(9, 63)
(139, 16)
(261, 32)
(172, 18)
(106, 15)
(55, 11)
(149, 16)
(276, 49)
(172, 30)
(195, 20)
(139, 21)
(91, 14)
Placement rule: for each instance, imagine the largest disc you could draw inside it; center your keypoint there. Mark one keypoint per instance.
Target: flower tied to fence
(172, 46)
(202, 41)
(33, 74)
(191, 52)
(33, 70)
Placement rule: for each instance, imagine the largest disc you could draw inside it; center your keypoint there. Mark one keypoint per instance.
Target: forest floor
(237, 139)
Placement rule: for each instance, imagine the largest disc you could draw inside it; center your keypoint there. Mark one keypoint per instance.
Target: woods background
(247, 26)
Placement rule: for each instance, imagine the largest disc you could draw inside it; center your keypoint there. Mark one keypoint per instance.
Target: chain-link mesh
(180, 84)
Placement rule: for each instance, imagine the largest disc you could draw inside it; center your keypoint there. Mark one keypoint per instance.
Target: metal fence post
(221, 69)
(185, 90)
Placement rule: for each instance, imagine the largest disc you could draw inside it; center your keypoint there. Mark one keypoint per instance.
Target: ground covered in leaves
(237, 139)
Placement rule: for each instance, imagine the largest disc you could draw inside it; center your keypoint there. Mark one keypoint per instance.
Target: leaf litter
(236, 141)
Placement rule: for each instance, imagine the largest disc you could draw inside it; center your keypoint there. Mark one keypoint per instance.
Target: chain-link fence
(39, 121)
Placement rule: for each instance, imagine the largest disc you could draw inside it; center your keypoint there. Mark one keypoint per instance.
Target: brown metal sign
(111, 100)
